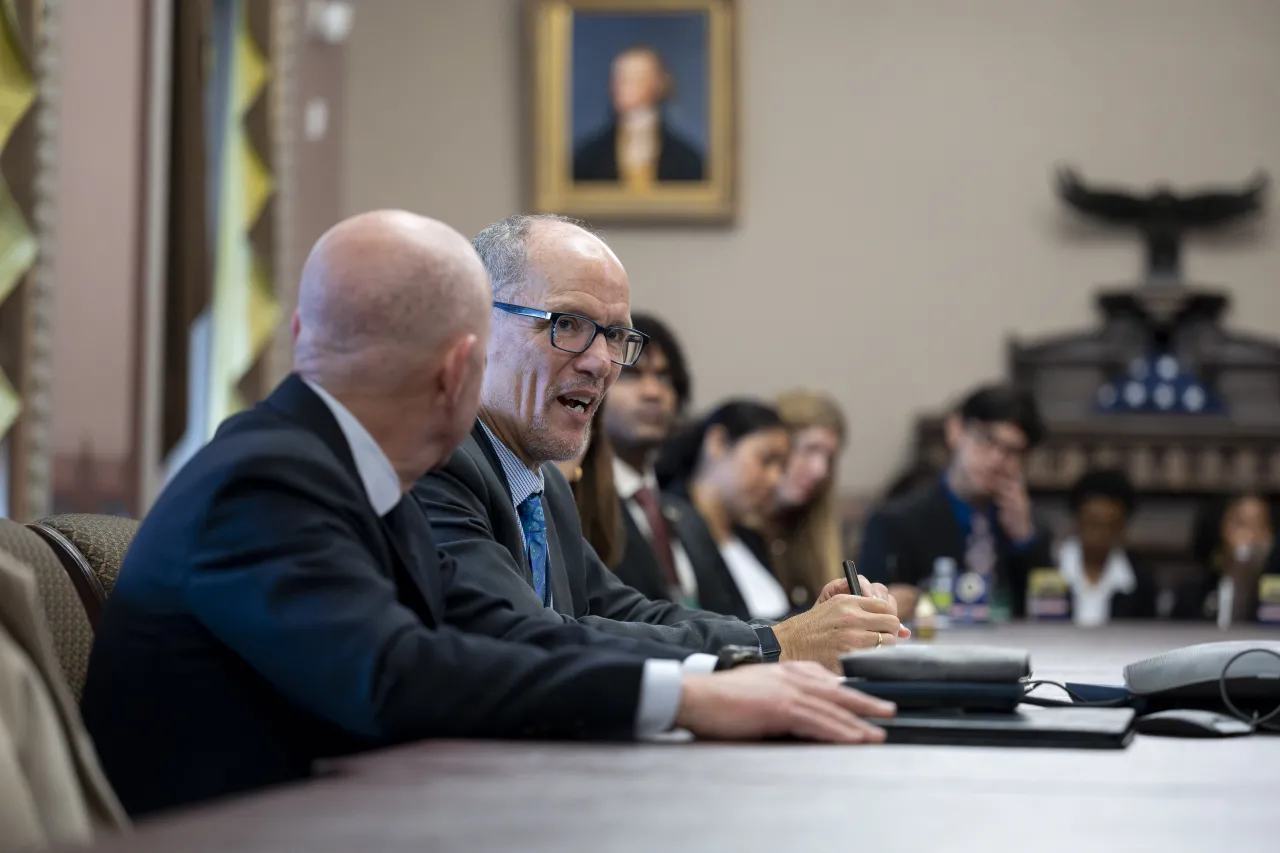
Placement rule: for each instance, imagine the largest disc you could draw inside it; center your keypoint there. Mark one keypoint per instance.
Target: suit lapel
(416, 565)
(717, 590)
(481, 451)
(557, 576)
(640, 567)
(489, 455)
(415, 549)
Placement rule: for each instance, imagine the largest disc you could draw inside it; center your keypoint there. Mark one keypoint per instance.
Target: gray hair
(503, 247)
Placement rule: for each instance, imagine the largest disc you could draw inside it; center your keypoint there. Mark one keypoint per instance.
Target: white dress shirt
(381, 482)
(627, 481)
(764, 596)
(660, 687)
(1090, 601)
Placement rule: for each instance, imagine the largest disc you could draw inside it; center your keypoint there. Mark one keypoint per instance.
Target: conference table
(1166, 794)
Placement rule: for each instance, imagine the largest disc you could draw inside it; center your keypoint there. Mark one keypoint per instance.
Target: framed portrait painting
(634, 109)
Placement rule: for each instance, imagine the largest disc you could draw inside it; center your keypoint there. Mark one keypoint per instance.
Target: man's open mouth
(580, 403)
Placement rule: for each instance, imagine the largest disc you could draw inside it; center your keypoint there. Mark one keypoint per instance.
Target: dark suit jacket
(597, 158)
(640, 569)
(1141, 603)
(800, 598)
(717, 590)
(266, 617)
(469, 504)
(903, 539)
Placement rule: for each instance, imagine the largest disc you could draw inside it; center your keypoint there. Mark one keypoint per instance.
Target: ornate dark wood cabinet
(1160, 388)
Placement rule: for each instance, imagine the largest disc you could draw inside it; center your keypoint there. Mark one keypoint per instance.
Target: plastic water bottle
(925, 624)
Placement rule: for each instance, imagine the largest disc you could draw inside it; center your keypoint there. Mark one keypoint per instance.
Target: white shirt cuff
(699, 664)
(660, 692)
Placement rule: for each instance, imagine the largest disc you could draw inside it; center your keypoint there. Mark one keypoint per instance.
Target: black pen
(851, 575)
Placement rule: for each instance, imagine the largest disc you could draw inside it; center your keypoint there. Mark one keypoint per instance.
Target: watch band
(770, 651)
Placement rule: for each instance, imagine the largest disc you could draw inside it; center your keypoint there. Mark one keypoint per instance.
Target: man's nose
(595, 359)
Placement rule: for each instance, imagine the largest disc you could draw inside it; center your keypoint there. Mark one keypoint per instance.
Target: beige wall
(95, 267)
(896, 165)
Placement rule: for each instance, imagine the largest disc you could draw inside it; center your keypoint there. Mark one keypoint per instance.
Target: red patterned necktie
(659, 533)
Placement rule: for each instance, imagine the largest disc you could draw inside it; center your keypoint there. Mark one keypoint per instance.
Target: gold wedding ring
(879, 639)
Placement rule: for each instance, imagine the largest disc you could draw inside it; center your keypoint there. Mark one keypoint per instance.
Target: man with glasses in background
(562, 333)
(643, 407)
(971, 530)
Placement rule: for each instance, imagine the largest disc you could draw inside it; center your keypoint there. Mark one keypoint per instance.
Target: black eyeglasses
(575, 333)
(988, 437)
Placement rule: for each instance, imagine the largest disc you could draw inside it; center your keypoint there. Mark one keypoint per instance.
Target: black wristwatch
(733, 656)
(770, 651)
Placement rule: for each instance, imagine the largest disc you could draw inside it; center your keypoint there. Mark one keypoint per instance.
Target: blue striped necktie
(534, 525)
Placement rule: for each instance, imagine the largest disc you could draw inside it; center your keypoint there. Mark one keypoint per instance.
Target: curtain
(222, 309)
(19, 246)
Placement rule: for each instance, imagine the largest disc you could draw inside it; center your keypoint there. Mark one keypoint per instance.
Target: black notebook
(1073, 728)
(944, 695)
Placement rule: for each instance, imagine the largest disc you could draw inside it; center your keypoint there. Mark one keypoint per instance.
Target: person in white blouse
(1101, 580)
(723, 473)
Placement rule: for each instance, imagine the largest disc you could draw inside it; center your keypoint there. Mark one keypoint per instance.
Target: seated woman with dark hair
(1237, 579)
(720, 475)
(1102, 581)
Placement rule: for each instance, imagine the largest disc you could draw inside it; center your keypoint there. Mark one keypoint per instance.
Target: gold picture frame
(672, 157)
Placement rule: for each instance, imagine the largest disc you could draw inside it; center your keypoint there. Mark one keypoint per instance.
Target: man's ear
(954, 430)
(295, 326)
(455, 366)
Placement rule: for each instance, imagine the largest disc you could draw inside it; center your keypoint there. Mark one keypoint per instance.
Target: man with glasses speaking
(562, 307)
(970, 534)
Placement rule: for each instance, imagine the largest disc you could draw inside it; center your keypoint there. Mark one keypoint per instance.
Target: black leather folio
(1071, 728)
(944, 695)
(916, 662)
(918, 677)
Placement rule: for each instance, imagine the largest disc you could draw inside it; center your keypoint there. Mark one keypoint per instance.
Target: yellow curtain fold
(18, 245)
(245, 310)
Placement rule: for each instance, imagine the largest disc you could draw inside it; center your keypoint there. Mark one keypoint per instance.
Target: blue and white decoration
(1158, 383)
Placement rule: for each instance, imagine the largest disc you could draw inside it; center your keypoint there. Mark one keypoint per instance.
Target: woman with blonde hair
(799, 535)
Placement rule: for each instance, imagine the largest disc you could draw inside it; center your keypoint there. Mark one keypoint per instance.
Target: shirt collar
(381, 483)
(639, 120)
(627, 480)
(522, 481)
